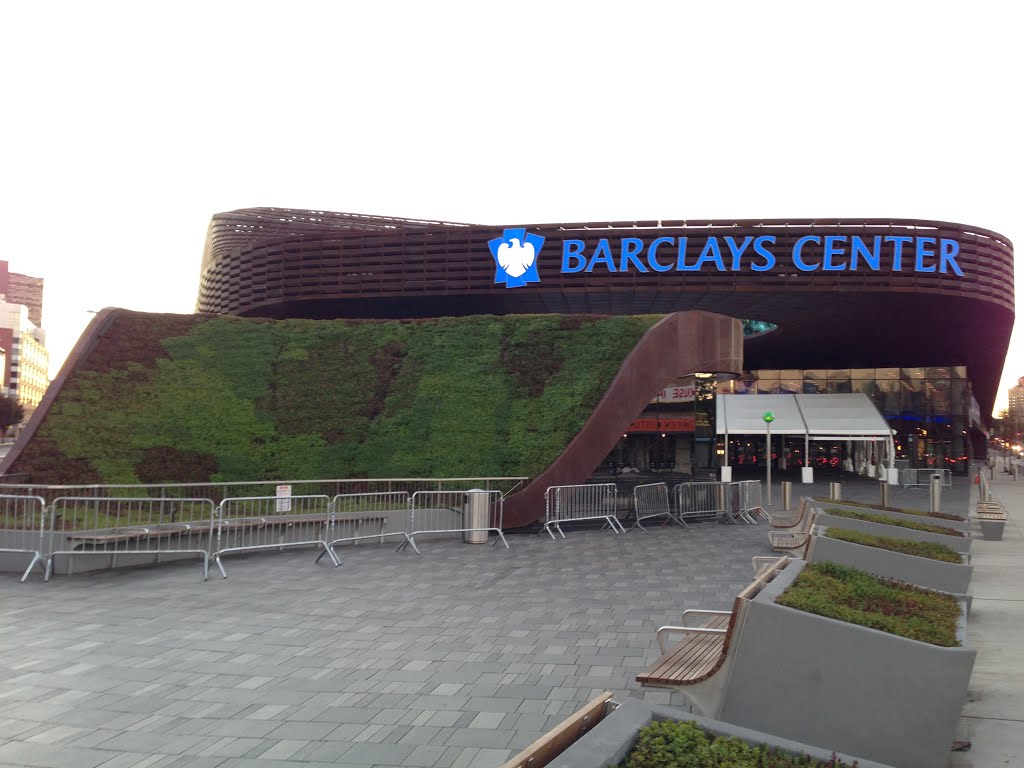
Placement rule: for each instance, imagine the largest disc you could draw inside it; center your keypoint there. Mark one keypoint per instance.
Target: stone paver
(453, 659)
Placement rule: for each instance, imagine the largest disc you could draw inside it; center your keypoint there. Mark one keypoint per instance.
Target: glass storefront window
(862, 373)
(912, 373)
(791, 382)
(814, 382)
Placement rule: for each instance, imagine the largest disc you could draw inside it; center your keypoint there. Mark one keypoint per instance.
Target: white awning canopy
(817, 417)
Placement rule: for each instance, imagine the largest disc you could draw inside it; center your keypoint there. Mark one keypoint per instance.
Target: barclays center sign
(516, 254)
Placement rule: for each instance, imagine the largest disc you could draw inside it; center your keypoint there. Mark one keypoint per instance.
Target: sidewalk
(994, 713)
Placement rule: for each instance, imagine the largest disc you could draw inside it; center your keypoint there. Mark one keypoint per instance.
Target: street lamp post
(768, 417)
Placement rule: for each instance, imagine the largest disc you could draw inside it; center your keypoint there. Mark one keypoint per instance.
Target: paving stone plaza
(454, 659)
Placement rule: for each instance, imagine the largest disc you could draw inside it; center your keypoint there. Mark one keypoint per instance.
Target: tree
(11, 413)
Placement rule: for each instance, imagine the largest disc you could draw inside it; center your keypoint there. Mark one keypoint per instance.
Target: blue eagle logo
(515, 257)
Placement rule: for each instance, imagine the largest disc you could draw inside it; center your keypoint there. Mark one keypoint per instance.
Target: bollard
(787, 496)
(1013, 471)
(883, 490)
(835, 491)
(935, 496)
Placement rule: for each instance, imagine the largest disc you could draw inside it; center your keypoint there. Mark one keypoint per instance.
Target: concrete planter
(612, 738)
(960, 525)
(956, 543)
(992, 530)
(922, 571)
(846, 687)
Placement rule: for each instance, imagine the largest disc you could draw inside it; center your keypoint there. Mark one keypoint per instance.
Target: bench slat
(698, 656)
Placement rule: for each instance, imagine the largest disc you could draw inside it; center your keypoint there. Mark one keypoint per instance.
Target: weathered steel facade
(282, 263)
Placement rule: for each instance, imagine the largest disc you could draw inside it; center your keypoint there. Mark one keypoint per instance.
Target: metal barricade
(118, 527)
(247, 524)
(651, 501)
(357, 514)
(573, 503)
(21, 528)
(923, 477)
(703, 501)
(748, 504)
(443, 512)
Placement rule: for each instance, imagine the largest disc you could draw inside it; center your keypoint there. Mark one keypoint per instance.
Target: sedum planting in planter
(848, 661)
(880, 508)
(683, 744)
(928, 549)
(910, 515)
(881, 525)
(639, 733)
(924, 563)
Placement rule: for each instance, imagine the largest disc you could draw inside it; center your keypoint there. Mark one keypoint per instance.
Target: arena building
(916, 314)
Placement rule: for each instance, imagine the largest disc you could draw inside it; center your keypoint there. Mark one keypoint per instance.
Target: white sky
(125, 126)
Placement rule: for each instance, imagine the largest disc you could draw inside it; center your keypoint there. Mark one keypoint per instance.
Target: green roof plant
(847, 594)
(183, 398)
(911, 524)
(683, 744)
(927, 549)
(904, 510)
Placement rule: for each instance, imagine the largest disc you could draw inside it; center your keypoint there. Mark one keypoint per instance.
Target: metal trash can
(475, 513)
(935, 494)
(787, 496)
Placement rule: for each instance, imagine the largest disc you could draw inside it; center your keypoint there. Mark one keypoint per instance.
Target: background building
(27, 361)
(1016, 409)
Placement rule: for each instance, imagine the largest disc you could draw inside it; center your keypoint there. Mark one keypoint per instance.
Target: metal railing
(251, 523)
(465, 512)
(21, 528)
(913, 478)
(115, 527)
(217, 492)
(702, 501)
(651, 501)
(573, 503)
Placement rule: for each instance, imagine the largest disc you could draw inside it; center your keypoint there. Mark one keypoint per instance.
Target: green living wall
(172, 398)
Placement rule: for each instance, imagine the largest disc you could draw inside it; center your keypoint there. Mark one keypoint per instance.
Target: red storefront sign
(684, 424)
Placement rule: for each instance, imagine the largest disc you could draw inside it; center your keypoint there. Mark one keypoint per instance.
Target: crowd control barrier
(441, 512)
(248, 524)
(361, 516)
(651, 501)
(747, 501)
(702, 501)
(573, 503)
(122, 527)
(21, 528)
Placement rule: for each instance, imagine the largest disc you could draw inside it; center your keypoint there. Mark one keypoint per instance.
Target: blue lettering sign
(922, 252)
(764, 253)
(948, 251)
(798, 258)
(573, 259)
(631, 248)
(897, 251)
(833, 248)
(858, 250)
(652, 254)
(602, 255)
(737, 250)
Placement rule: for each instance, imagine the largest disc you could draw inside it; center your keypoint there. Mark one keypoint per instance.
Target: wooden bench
(793, 538)
(794, 520)
(703, 651)
(564, 735)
